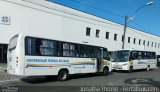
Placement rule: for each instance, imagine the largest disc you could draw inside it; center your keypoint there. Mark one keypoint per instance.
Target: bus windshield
(13, 43)
(106, 54)
(121, 56)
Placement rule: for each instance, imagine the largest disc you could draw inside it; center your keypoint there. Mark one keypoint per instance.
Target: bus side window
(59, 49)
(37, 46)
(145, 55)
(153, 55)
(28, 46)
(32, 46)
(77, 50)
(48, 48)
(65, 49)
(148, 55)
(140, 55)
(134, 55)
(72, 50)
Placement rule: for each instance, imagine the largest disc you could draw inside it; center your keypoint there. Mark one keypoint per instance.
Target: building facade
(32, 17)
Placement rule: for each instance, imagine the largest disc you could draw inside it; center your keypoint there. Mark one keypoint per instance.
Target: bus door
(134, 59)
(142, 62)
(100, 59)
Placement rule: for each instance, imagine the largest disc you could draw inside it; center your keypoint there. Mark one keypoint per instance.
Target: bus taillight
(17, 59)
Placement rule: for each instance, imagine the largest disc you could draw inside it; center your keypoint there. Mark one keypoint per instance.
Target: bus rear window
(13, 43)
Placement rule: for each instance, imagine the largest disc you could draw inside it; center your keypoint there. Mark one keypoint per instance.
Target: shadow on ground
(42, 79)
(140, 70)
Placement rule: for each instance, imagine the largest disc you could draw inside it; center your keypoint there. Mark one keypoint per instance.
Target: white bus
(36, 56)
(130, 60)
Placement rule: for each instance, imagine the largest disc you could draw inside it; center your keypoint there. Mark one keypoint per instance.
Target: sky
(147, 19)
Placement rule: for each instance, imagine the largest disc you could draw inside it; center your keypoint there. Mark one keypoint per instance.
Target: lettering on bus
(47, 60)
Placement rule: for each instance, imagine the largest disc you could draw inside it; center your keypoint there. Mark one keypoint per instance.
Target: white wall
(70, 25)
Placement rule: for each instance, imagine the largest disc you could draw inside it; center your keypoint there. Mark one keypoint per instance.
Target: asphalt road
(77, 82)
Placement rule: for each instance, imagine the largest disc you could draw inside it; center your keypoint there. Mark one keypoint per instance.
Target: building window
(155, 45)
(144, 42)
(129, 39)
(152, 44)
(148, 43)
(107, 35)
(115, 37)
(97, 33)
(122, 38)
(159, 46)
(88, 30)
(139, 41)
(134, 41)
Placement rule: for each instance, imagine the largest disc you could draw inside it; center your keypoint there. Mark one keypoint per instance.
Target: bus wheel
(105, 71)
(62, 75)
(148, 68)
(130, 69)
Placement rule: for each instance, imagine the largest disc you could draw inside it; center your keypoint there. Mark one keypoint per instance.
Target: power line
(98, 9)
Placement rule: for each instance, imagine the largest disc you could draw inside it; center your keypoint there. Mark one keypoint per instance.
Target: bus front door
(99, 60)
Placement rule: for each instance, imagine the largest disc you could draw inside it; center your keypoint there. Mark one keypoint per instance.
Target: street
(75, 82)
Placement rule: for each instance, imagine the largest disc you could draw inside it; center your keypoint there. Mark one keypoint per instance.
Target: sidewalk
(5, 77)
(3, 66)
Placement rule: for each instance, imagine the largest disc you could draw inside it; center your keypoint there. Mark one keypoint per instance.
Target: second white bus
(130, 60)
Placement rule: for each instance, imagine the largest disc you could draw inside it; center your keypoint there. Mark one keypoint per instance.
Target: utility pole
(124, 32)
(130, 19)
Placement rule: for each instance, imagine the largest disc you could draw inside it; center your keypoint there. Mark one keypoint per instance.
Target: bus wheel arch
(63, 74)
(148, 68)
(105, 70)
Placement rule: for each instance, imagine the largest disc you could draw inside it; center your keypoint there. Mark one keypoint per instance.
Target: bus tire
(105, 71)
(62, 75)
(148, 68)
(130, 69)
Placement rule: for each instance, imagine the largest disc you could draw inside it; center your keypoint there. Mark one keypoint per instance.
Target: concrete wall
(53, 21)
